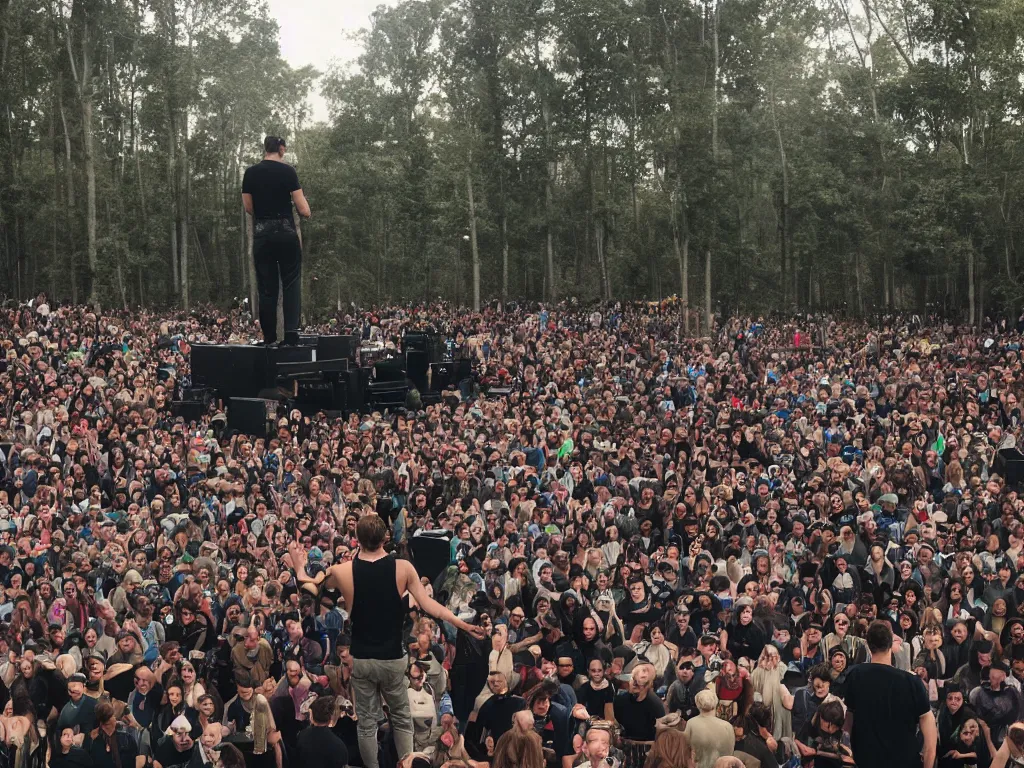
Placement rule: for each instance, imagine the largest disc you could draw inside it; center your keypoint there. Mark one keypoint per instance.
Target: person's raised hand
(477, 631)
(297, 554)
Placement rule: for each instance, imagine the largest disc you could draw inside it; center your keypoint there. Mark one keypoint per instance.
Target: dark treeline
(737, 153)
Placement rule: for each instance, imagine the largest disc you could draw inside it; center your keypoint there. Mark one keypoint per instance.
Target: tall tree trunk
(716, 7)
(83, 83)
(504, 257)
(172, 177)
(714, 156)
(552, 286)
(551, 291)
(860, 284)
(784, 208)
(686, 282)
(52, 136)
(708, 314)
(183, 211)
(970, 287)
(69, 182)
(250, 266)
(503, 227)
(472, 236)
(681, 246)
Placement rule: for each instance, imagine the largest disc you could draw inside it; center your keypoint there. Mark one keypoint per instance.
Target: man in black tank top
(373, 586)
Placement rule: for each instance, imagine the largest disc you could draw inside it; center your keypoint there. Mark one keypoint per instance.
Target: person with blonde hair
(671, 750)
(710, 737)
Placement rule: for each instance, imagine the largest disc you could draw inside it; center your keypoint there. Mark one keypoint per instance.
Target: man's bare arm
(930, 734)
(431, 606)
(300, 204)
(525, 643)
(247, 202)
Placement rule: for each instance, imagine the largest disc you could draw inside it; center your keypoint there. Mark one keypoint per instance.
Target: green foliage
(868, 153)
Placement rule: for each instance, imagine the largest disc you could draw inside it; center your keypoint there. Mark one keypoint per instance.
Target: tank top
(377, 612)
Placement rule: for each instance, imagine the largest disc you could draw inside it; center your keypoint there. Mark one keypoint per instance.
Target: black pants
(276, 249)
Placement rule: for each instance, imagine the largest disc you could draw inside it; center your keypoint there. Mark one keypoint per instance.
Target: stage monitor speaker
(321, 394)
(232, 370)
(329, 368)
(1010, 464)
(388, 394)
(430, 554)
(251, 415)
(392, 369)
(442, 376)
(416, 366)
(357, 381)
(335, 347)
(421, 342)
(275, 355)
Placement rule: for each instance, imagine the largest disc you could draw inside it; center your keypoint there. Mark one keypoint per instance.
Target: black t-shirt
(495, 715)
(593, 700)
(168, 755)
(637, 717)
(886, 703)
(271, 184)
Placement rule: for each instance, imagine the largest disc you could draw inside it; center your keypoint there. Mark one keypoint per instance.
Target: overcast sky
(318, 32)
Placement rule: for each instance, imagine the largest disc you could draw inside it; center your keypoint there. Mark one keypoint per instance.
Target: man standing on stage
(268, 190)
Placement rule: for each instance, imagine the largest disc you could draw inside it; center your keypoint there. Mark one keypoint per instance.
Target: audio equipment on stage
(251, 415)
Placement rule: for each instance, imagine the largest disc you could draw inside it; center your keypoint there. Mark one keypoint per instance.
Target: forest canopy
(850, 155)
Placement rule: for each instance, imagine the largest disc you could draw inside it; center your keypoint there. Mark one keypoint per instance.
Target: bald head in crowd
(212, 735)
(729, 762)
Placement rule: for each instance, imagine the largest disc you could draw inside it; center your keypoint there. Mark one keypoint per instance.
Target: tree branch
(885, 28)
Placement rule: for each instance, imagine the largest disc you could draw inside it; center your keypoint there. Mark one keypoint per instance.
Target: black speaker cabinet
(442, 376)
(430, 555)
(416, 366)
(335, 347)
(358, 378)
(251, 415)
(232, 370)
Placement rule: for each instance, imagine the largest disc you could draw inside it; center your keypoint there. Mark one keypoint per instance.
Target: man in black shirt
(111, 744)
(638, 708)
(885, 707)
(268, 190)
(495, 715)
(175, 751)
(318, 745)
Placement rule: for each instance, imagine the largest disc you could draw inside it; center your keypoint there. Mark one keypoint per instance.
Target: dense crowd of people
(793, 542)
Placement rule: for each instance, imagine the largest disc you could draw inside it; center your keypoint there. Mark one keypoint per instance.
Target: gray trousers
(371, 680)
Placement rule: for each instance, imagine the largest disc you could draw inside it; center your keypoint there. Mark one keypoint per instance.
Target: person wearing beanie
(80, 711)
(997, 703)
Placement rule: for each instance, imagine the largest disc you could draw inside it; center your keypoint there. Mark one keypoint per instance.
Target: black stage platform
(336, 375)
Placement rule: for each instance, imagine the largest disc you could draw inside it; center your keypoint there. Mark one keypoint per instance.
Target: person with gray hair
(710, 737)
